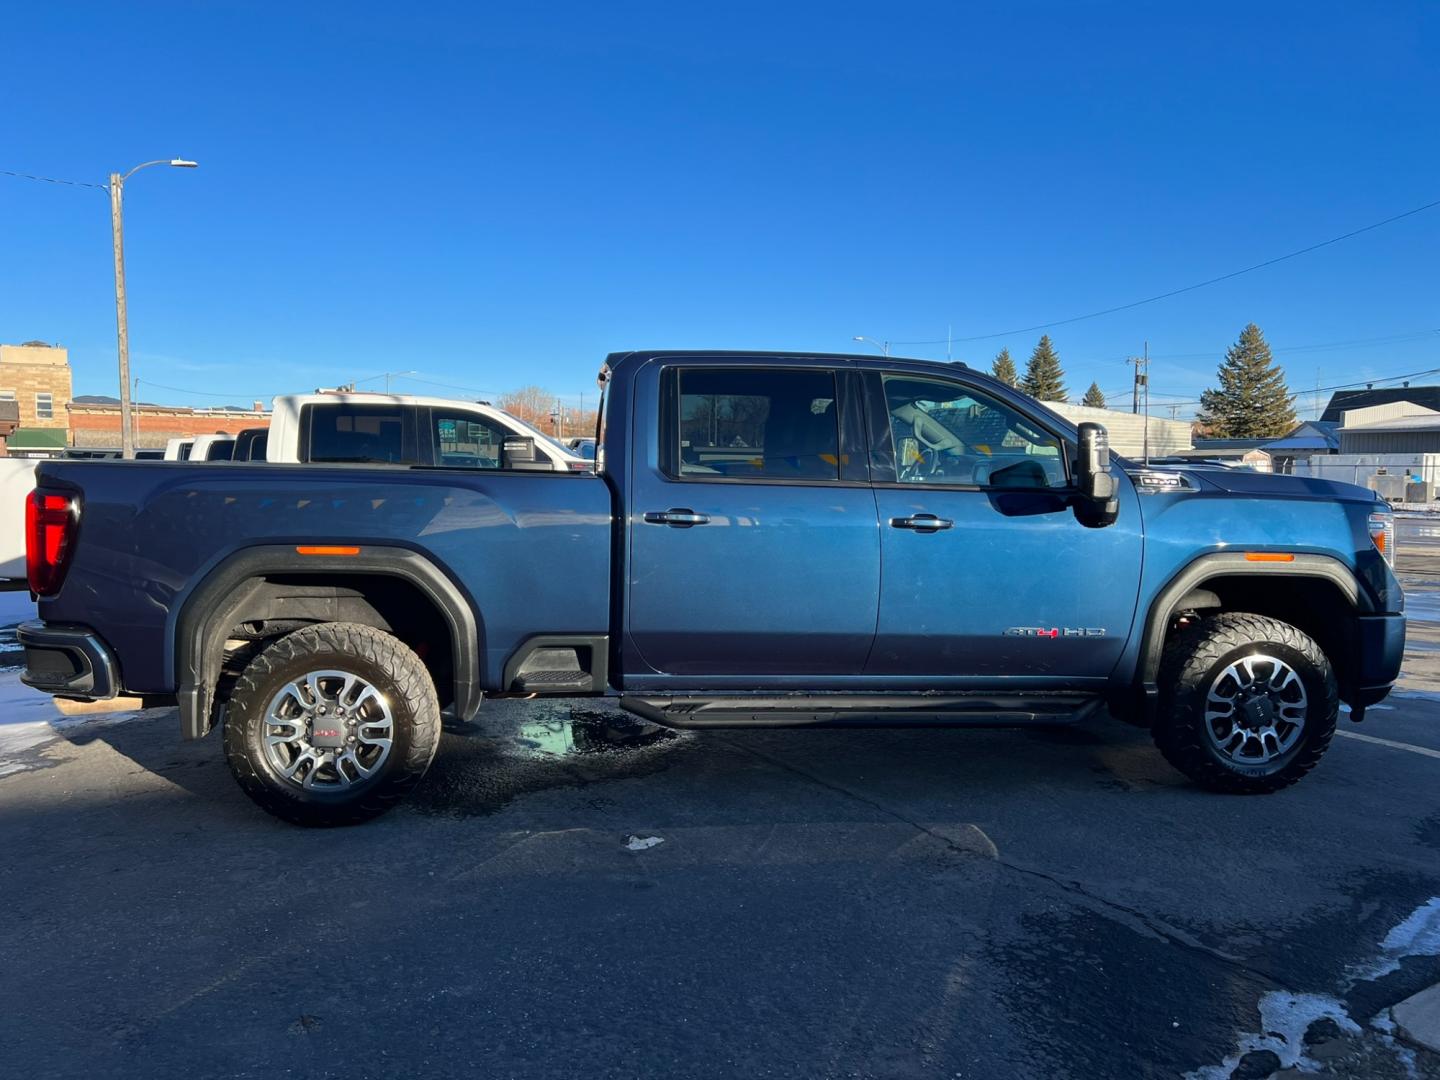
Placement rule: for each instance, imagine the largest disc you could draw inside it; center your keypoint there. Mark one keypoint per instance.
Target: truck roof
(870, 361)
(867, 360)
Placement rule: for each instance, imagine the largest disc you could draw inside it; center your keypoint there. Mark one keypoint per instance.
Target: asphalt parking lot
(573, 893)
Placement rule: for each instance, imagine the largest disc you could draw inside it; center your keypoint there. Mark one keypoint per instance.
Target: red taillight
(50, 522)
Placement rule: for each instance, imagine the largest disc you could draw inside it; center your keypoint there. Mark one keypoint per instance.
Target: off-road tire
(1190, 663)
(386, 663)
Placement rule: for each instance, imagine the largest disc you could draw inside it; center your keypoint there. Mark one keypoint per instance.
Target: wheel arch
(356, 584)
(1314, 593)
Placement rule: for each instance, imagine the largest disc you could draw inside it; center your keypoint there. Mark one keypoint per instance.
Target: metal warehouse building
(1392, 447)
(1127, 430)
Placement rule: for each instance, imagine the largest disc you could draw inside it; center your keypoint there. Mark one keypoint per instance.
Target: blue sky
(499, 195)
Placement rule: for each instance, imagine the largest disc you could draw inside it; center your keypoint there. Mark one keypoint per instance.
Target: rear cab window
(377, 434)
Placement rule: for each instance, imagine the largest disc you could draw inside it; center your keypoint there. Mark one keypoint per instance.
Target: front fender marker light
(326, 549)
(1382, 534)
(1269, 556)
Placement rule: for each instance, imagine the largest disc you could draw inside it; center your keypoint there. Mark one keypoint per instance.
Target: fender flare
(1232, 564)
(207, 615)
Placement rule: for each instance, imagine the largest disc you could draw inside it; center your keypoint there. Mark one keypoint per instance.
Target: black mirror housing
(517, 451)
(1097, 504)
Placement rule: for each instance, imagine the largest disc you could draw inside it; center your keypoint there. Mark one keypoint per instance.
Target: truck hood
(1276, 486)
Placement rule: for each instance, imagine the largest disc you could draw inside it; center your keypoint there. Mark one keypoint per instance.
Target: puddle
(590, 733)
(517, 748)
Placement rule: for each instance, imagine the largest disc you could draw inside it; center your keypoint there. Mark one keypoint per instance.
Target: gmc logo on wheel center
(1055, 631)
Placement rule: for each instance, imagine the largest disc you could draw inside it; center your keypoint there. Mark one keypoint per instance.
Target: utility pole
(122, 325)
(1142, 378)
(1147, 402)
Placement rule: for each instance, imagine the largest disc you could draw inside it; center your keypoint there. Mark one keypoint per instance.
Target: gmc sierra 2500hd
(768, 538)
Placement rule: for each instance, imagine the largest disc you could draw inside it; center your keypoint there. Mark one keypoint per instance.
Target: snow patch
(1284, 1016)
(1422, 606)
(29, 720)
(15, 607)
(1418, 934)
(1283, 1019)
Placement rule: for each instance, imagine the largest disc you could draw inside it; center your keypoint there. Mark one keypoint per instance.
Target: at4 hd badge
(1055, 631)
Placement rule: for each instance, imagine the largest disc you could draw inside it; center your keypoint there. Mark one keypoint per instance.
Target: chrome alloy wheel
(327, 730)
(1255, 710)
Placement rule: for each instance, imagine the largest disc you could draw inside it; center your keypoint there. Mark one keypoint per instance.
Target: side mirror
(1097, 505)
(517, 451)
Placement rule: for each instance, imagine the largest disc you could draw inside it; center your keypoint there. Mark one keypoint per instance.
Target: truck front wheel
(1247, 703)
(332, 725)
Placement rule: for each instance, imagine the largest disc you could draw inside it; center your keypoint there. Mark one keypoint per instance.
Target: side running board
(864, 710)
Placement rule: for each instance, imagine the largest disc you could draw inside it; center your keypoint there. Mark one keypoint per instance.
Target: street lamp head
(857, 337)
(181, 163)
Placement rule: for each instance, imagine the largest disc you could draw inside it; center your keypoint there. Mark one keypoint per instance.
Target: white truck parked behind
(401, 429)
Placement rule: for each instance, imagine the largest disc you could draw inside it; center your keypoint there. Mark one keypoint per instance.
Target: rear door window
(747, 423)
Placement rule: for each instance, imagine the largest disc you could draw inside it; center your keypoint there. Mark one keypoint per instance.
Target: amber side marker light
(1269, 556)
(326, 549)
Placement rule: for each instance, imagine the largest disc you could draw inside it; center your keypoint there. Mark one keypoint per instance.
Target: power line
(202, 393)
(1337, 386)
(1393, 339)
(53, 180)
(1187, 288)
(452, 386)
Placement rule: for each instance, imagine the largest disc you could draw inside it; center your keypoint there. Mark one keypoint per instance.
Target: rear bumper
(1379, 649)
(67, 661)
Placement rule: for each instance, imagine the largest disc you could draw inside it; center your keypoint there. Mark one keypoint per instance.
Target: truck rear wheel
(332, 725)
(1247, 703)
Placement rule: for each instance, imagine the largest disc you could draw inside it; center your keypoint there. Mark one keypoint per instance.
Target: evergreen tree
(1043, 378)
(1004, 369)
(1093, 397)
(1252, 401)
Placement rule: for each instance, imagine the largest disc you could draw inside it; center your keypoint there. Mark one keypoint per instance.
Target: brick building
(9, 421)
(36, 377)
(98, 424)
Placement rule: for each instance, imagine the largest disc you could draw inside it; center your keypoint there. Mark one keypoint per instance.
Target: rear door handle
(677, 517)
(925, 523)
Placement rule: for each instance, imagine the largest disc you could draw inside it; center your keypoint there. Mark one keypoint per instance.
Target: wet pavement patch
(519, 748)
(590, 732)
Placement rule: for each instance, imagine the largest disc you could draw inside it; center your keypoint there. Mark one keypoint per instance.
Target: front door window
(950, 435)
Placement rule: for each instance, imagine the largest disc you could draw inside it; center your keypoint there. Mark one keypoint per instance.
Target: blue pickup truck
(767, 539)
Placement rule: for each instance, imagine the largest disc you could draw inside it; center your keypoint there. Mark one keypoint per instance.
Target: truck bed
(150, 532)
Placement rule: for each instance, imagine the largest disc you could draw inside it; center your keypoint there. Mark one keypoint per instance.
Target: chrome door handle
(680, 518)
(925, 523)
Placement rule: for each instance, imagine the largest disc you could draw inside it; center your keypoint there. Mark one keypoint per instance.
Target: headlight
(1382, 534)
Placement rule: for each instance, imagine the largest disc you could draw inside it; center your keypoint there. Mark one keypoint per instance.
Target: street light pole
(122, 327)
(883, 346)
